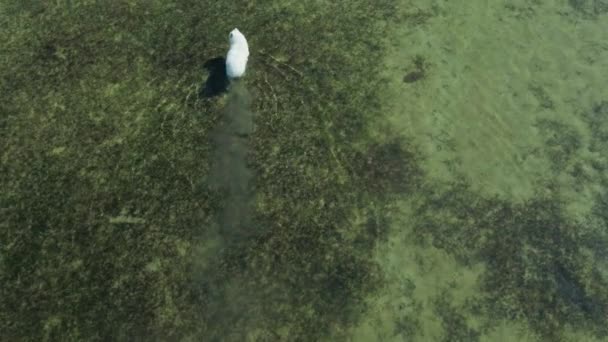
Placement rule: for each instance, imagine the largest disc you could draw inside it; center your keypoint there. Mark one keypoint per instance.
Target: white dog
(236, 60)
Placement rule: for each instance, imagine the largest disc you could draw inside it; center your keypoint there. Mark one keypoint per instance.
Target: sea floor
(499, 96)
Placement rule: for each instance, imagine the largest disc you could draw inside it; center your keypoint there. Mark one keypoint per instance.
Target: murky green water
(393, 170)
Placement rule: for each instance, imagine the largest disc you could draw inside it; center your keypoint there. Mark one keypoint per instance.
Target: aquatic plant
(454, 323)
(589, 8)
(561, 144)
(539, 264)
(391, 167)
(108, 223)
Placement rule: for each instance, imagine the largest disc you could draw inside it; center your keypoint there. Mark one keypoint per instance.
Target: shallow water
(503, 105)
(495, 72)
(400, 170)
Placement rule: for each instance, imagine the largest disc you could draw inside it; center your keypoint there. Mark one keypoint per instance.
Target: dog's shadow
(217, 82)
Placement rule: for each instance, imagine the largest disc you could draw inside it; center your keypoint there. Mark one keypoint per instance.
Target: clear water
(510, 97)
(390, 170)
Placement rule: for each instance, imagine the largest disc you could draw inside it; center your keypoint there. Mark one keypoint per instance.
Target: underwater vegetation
(109, 228)
(542, 96)
(595, 120)
(541, 266)
(108, 224)
(561, 144)
(386, 168)
(589, 8)
(453, 322)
